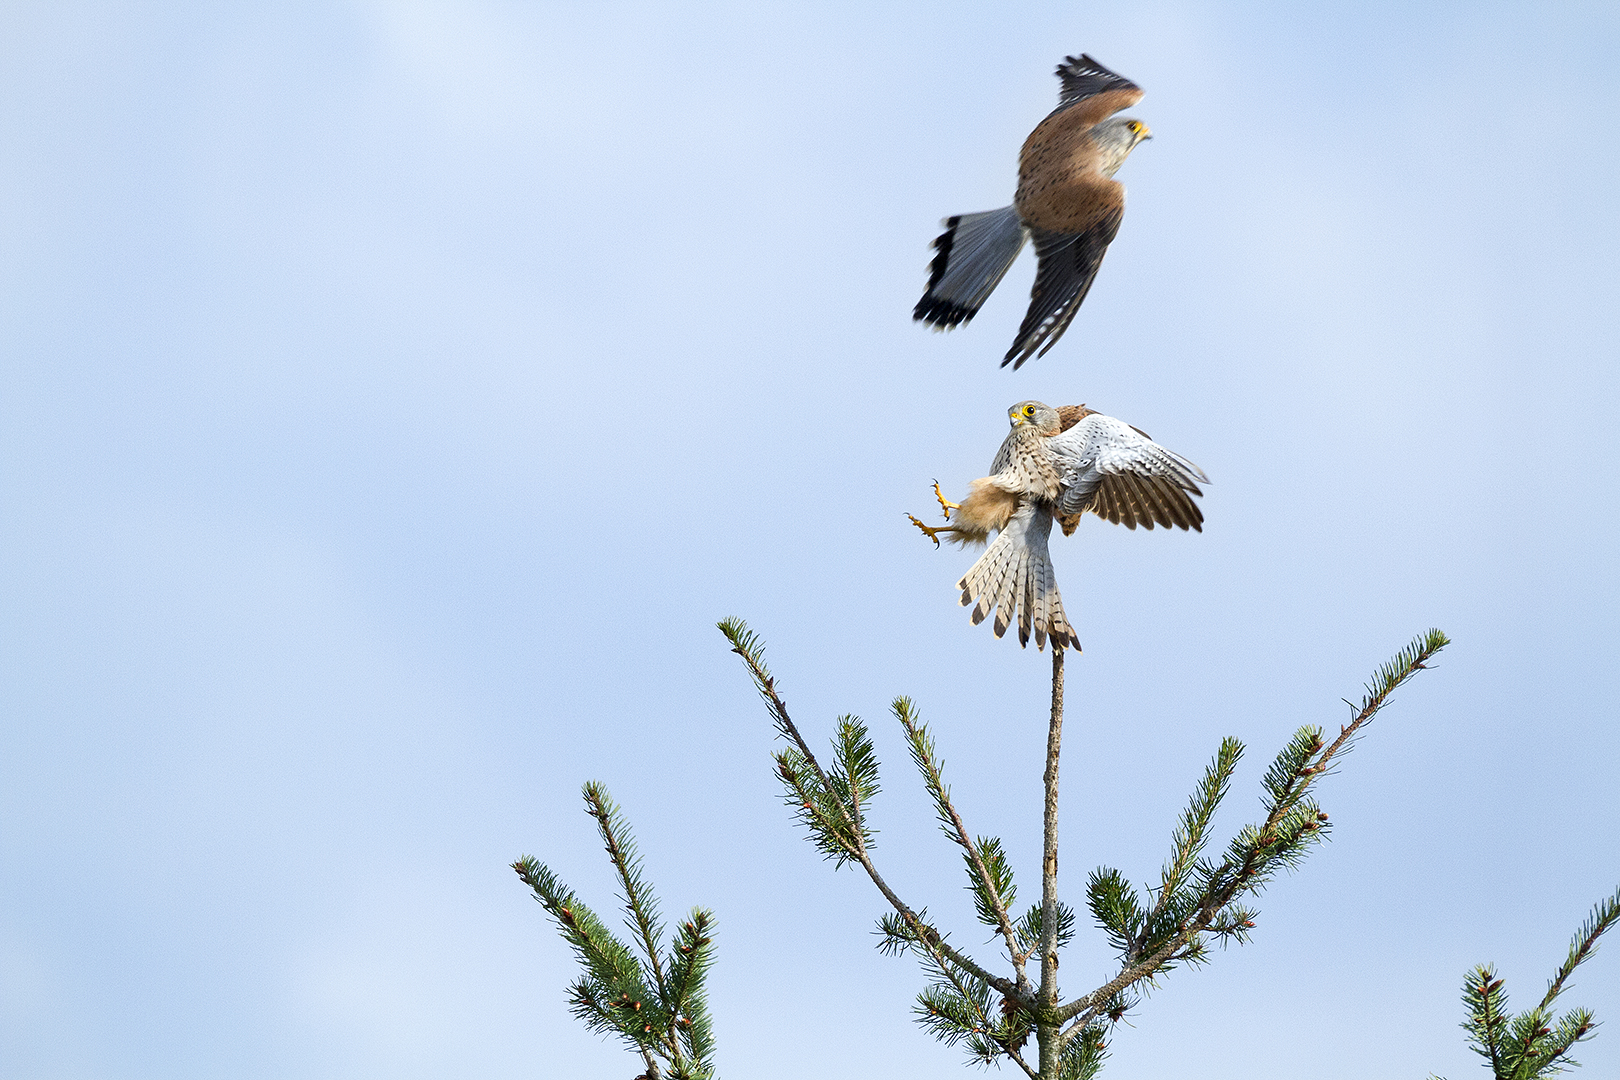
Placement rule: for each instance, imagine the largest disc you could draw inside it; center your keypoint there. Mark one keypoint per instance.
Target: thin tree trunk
(1047, 1033)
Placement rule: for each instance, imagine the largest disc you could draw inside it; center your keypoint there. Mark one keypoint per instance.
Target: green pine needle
(1116, 907)
(1083, 1057)
(1028, 928)
(1001, 881)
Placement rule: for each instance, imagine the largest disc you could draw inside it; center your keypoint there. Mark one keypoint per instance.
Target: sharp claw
(928, 530)
(945, 504)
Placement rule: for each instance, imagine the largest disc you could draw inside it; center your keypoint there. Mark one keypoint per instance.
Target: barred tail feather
(971, 257)
(1012, 590)
(1014, 579)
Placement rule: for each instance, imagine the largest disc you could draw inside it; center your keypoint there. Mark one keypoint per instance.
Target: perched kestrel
(1067, 200)
(1058, 463)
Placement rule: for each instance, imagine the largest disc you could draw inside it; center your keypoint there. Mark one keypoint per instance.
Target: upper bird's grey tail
(1014, 579)
(972, 256)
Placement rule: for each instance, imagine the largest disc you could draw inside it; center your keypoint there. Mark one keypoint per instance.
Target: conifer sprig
(1029, 927)
(655, 1003)
(990, 876)
(1534, 1044)
(1208, 903)
(640, 905)
(833, 819)
(832, 806)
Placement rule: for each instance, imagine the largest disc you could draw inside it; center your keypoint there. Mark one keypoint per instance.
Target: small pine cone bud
(636, 1006)
(646, 1027)
(1322, 816)
(686, 1021)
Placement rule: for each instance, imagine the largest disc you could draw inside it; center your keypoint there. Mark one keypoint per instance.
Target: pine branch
(612, 995)
(1029, 927)
(1385, 681)
(689, 963)
(957, 1008)
(1190, 838)
(1292, 824)
(831, 806)
(663, 1018)
(640, 905)
(1533, 1045)
(1605, 913)
(747, 645)
(989, 875)
(1487, 1005)
(991, 882)
(1082, 1057)
(855, 775)
(1116, 907)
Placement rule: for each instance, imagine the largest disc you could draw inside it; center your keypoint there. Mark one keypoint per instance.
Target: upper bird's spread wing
(1068, 265)
(1121, 475)
(1098, 92)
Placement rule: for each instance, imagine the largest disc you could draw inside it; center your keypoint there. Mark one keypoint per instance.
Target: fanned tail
(1014, 580)
(972, 256)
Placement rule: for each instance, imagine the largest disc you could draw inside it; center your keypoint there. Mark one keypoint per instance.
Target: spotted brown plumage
(1058, 463)
(1067, 202)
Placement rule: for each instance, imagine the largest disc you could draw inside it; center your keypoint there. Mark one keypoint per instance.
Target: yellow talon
(928, 530)
(944, 504)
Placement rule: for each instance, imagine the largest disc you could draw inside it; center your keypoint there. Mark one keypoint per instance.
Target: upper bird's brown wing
(1068, 264)
(1097, 92)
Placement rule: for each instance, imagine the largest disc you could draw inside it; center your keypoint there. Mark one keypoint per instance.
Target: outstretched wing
(1068, 265)
(1096, 91)
(1121, 475)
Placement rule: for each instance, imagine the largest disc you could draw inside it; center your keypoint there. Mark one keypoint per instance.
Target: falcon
(1067, 201)
(1058, 463)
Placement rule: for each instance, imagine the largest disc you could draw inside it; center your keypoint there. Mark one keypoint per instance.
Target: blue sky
(396, 394)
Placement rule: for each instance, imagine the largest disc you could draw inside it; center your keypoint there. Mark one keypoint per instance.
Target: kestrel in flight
(1067, 201)
(1058, 463)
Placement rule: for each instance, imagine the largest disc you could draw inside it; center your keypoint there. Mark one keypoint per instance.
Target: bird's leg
(930, 531)
(945, 504)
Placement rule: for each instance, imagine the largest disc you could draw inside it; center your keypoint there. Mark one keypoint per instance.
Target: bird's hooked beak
(1144, 133)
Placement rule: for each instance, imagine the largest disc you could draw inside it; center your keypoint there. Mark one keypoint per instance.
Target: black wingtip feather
(932, 309)
(941, 313)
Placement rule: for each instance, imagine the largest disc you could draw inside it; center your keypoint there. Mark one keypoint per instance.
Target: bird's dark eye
(1029, 410)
